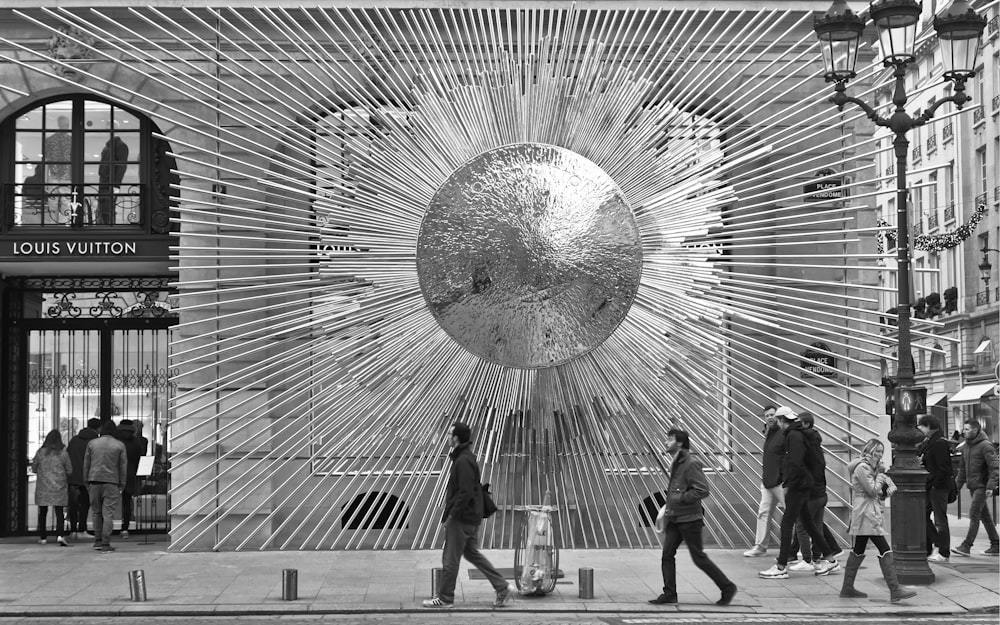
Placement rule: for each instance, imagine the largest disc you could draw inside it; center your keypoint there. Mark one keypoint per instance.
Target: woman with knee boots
(869, 487)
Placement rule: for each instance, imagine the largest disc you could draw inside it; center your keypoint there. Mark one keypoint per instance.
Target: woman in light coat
(52, 468)
(869, 487)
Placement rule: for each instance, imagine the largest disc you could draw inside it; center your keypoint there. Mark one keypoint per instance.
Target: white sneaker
(755, 551)
(937, 557)
(775, 572)
(825, 567)
(801, 565)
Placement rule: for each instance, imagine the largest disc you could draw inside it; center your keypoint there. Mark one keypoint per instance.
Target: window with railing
(979, 115)
(949, 213)
(84, 162)
(916, 155)
(931, 144)
(932, 220)
(890, 170)
(981, 199)
(992, 28)
(918, 226)
(996, 103)
(982, 298)
(947, 133)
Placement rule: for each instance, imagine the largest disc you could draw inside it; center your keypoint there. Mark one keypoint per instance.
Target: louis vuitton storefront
(86, 315)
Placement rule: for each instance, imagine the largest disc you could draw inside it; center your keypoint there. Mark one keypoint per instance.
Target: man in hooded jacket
(816, 505)
(798, 480)
(463, 512)
(978, 470)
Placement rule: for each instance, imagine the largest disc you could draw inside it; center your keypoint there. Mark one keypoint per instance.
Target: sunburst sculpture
(572, 228)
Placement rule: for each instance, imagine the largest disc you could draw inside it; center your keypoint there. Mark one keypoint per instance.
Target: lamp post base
(909, 524)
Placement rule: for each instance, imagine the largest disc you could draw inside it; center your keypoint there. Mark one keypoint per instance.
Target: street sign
(911, 401)
(828, 186)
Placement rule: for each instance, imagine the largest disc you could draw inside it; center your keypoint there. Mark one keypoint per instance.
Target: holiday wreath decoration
(934, 242)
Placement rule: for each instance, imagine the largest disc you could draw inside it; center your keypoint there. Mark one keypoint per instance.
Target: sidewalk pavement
(49, 580)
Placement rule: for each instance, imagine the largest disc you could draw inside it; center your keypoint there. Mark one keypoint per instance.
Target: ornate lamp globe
(839, 32)
(896, 22)
(985, 267)
(960, 31)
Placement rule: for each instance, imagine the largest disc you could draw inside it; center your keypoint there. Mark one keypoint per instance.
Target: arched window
(84, 162)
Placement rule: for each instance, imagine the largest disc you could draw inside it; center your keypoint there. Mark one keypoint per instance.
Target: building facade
(296, 244)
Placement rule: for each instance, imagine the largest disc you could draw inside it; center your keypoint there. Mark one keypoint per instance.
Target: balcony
(979, 115)
(996, 103)
(931, 144)
(918, 227)
(949, 213)
(890, 170)
(992, 28)
(915, 155)
(947, 133)
(932, 220)
(983, 298)
(981, 199)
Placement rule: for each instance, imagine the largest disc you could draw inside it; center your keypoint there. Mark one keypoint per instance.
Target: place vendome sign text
(73, 248)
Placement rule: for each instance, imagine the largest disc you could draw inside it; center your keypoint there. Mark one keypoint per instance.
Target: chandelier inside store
(571, 228)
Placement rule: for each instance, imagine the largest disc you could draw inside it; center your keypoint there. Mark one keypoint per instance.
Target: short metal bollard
(137, 585)
(586, 583)
(289, 584)
(435, 581)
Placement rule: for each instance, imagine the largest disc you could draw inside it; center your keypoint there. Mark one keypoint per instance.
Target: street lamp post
(985, 268)
(960, 32)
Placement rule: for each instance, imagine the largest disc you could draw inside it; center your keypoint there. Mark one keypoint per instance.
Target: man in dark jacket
(79, 498)
(105, 466)
(134, 449)
(685, 519)
(935, 452)
(771, 493)
(978, 469)
(463, 512)
(797, 475)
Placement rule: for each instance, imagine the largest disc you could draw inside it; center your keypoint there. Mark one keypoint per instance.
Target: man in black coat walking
(463, 512)
(935, 452)
(684, 521)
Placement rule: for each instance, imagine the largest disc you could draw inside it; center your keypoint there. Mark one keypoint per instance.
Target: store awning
(935, 398)
(982, 347)
(972, 393)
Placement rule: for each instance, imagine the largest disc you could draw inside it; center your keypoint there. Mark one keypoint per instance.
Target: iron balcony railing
(931, 144)
(979, 115)
(918, 226)
(915, 157)
(992, 27)
(949, 213)
(947, 133)
(890, 170)
(982, 298)
(61, 205)
(932, 220)
(996, 103)
(981, 199)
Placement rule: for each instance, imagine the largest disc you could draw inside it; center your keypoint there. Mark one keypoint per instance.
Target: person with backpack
(463, 513)
(684, 520)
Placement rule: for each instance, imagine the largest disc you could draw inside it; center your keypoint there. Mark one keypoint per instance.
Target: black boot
(896, 592)
(850, 572)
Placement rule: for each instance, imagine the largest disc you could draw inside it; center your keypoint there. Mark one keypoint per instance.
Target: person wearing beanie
(105, 467)
(797, 469)
(79, 497)
(463, 512)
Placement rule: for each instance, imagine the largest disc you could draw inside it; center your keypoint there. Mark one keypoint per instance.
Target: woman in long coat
(869, 487)
(52, 469)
